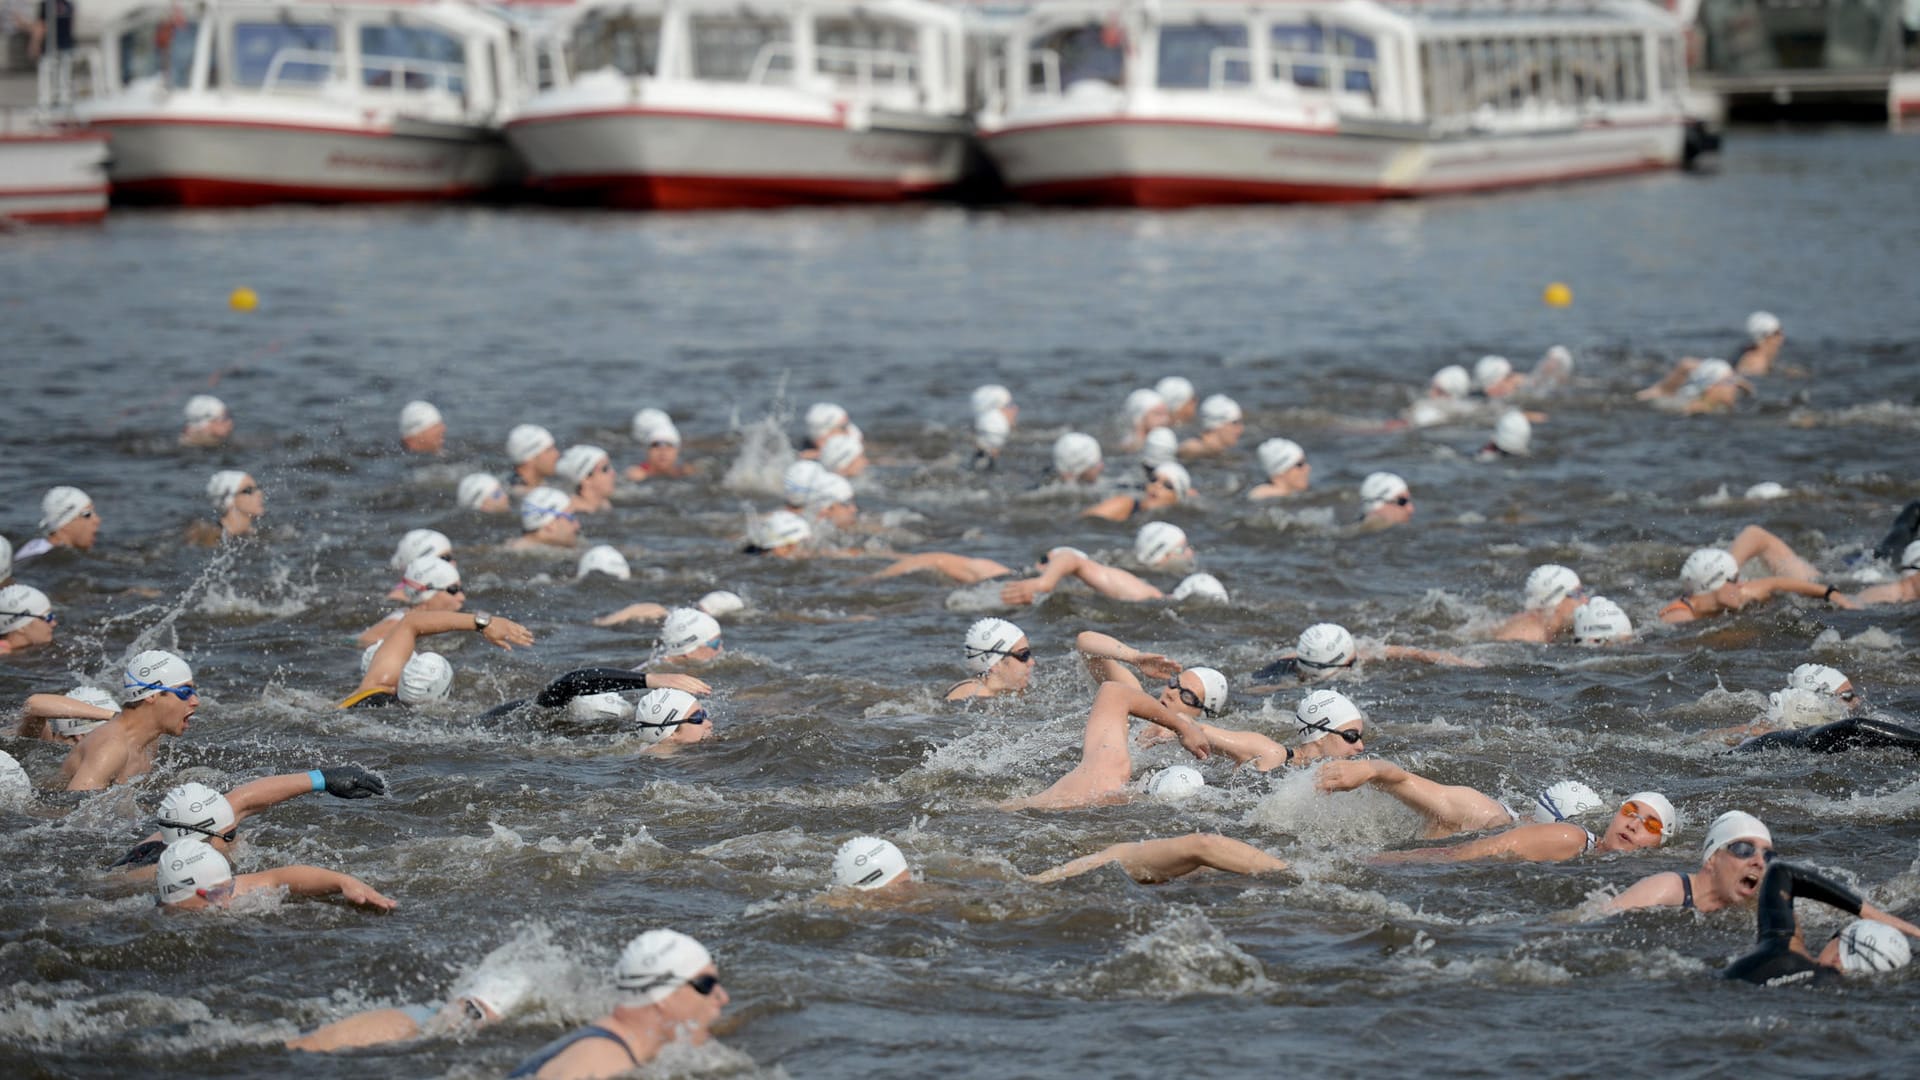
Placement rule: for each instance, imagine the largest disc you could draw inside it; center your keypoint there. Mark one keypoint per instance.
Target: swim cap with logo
(427, 575)
(1867, 946)
(804, 484)
(1762, 325)
(991, 398)
(1075, 453)
(659, 713)
(603, 559)
(987, 643)
(1707, 569)
(1161, 447)
(1817, 677)
(1175, 783)
(720, 602)
(656, 964)
(1324, 648)
(476, 489)
(780, 529)
(578, 463)
(427, 677)
(867, 862)
(1175, 390)
(61, 505)
(542, 505)
(223, 486)
(20, 605)
(1798, 708)
(1513, 433)
(1600, 621)
(1381, 488)
(1214, 691)
(72, 727)
(417, 543)
(192, 810)
(150, 672)
(1730, 826)
(990, 430)
(1218, 411)
(1204, 586)
(526, 442)
(824, 417)
(685, 630)
(1662, 809)
(1279, 455)
(204, 409)
(1176, 477)
(1158, 542)
(1453, 381)
(1328, 711)
(1549, 584)
(418, 416)
(649, 420)
(592, 708)
(186, 867)
(1141, 402)
(840, 451)
(1489, 370)
(1563, 800)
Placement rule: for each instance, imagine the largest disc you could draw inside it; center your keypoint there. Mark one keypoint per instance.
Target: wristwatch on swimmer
(480, 622)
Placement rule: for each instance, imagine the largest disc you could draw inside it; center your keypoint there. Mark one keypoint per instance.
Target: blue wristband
(317, 779)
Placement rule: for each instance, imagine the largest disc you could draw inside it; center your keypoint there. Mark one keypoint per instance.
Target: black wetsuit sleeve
(1853, 733)
(146, 854)
(589, 681)
(1812, 885)
(1905, 528)
(1773, 958)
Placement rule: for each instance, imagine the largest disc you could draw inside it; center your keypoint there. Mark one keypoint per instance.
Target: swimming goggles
(1648, 821)
(1322, 726)
(1188, 698)
(185, 691)
(1744, 849)
(229, 836)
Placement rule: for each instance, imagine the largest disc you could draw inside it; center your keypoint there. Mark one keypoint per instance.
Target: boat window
(163, 48)
(1204, 55)
(1357, 57)
(866, 51)
(1297, 55)
(626, 42)
(1669, 65)
(283, 55)
(1074, 54)
(410, 57)
(740, 48)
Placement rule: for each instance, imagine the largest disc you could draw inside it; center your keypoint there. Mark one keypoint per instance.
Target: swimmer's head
(1203, 587)
(1219, 411)
(843, 453)
(73, 727)
(1451, 381)
(1161, 543)
(1075, 455)
(1549, 584)
(579, 464)
(192, 810)
(21, 606)
(1822, 679)
(659, 713)
(224, 486)
(1161, 447)
(1798, 708)
(649, 420)
(991, 430)
(823, 419)
(1736, 853)
(690, 633)
(418, 543)
(155, 671)
(1563, 800)
(1174, 477)
(1730, 826)
(1600, 621)
(1381, 492)
(61, 506)
(1147, 407)
(430, 576)
(1707, 569)
(657, 964)
(1175, 783)
(1867, 947)
(779, 531)
(1644, 805)
(868, 863)
(205, 410)
(1327, 711)
(1323, 649)
(1489, 370)
(990, 398)
(1280, 455)
(189, 868)
(720, 602)
(482, 491)
(528, 441)
(1762, 325)
(804, 483)
(426, 678)
(543, 506)
(1513, 433)
(603, 559)
(1213, 691)
(1556, 362)
(1175, 390)
(988, 642)
(417, 416)
(599, 708)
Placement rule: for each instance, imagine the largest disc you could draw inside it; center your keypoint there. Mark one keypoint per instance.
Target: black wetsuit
(575, 683)
(1905, 528)
(1773, 962)
(1854, 733)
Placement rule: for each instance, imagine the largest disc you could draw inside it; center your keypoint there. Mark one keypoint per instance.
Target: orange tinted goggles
(1648, 821)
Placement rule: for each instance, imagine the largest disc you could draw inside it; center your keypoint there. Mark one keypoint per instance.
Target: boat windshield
(405, 56)
(623, 41)
(1204, 56)
(162, 47)
(1064, 56)
(742, 48)
(863, 51)
(284, 54)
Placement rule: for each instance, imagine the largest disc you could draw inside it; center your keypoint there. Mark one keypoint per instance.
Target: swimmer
(157, 698)
(867, 870)
(994, 398)
(690, 636)
(603, 559)
(429, 583)
(813, 492)
(1341, 724)
(483, 492)
(1600, 621)
(1222, 424)
(586, 472)
(1182, 402)
(1106, 765)
(666, 718)
(1552, 595)
(533, 453)
(999, 659)
(67, 520)
(1167, 485)
(1154, 862)
(786, 535)
(1732, 862)
(667, 990)
(1645, 820)
(1144, 410)
(1200, 586)
(208, 422)
(1712, 578)
(422, 429)
(1162, 447)
(844, 454)
(192, 876)
(1512, 438)
(656, 431)
(1780, 956)
(1077, 458)
(1385, 501)
(1445, 809)
(418, 544)
(66, 718)
(718, 603)
(1904, 591)
(1447, 401)
(1325, 650)
(486, 998)
(1158, 546)
(1815, 694)
(1288, 471)
(824, 420)
(1699, 386)
(1764, 338)
(239, 500)
(26, 619)
(1552, 372)
(1494, 378)
(991, 430)
(963, 569)
(545, 521)
(197, 810)
(392, 677)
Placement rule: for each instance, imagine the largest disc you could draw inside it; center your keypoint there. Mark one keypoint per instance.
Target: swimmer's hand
(352, 782)
(1843, 602)
(1021, 592)
(359, 892)
(657, 680)
(1156, 666)
(506, 633)
(1195, 740)
(1152, 735)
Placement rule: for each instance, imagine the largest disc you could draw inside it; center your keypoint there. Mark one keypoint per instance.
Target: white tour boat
(50, 173)
(1183, 102)
(239, 102)
(690, 104)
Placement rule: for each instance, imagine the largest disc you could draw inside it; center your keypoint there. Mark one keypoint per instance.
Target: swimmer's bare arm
(1147, 707)
(1526, 626)
(1554, 842)
(1654, 890)
(384, 672)
(1115, 583)
(1248, 746)
(1427, 656)
(1113, 508)
(1154, 861)
(315, 881)
(641, 612)
(1904, 591)
(1765, 588)
(963, 569)
(1673, 381)
(1107, 657)
(98, 763)
(1448, 808)
(1059, 565)
(1755, 542)
(1868, 911)
(42, 707)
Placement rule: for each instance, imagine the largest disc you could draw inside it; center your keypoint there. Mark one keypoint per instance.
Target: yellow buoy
(1557, 295)
(243, 299)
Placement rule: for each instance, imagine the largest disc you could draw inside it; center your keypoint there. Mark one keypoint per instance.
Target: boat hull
(53, 177)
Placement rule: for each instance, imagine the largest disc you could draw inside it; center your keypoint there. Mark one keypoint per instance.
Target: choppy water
(542, 847)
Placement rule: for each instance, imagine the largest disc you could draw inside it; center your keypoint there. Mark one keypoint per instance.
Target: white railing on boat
(389, 74)
(860, 63)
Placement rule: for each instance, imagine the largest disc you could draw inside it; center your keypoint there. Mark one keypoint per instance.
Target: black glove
(352, 782)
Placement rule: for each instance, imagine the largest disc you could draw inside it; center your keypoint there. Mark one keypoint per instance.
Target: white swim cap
(1559, 357)
(418, 416)
(1175, 390)
(1279, 455)
(1141, 402)
(1909, 559)
(93, 695)
(1328, 711)
(1381, 488)
(20, 605)
(1158, 542)
(1762, 325)
(1798, 708)
(603, 559)
(685, 630)
(1549, 584)
(593, 708)
(1453, 381)
(192, 810)
(1662, 809)
(991, 429)
(987, 642)
(836, 490)
(6, 558)
(1161, 447)
(659, 713)
(527, 441)
(1175, 783)
(427, 677)
(1707, 569)
(204, 409)
(187, 866)
(15, 786)
(1176, 476)
(647, 421)
(1075, 453)
(824, 417)
(867, 862)
(1324, 648)
(1600, 621)
(1730, 826)
(151, 672)
(1566, 799)
(477, 488)
(1817, 677)
(1213, 699)
(666, 434)
(1204, 586)
(1513, 433)
(72, 727)
(427, 575)
(991, 398)
(779, 529)
(1489, 370)
(578, 463)
(656, 964)
(840, 451)
(367, 654)
(1868, 946)
(1707, 374)
(542, 505)
(500, 992)
(417, 543)
(720, 602)
(61, 505)
(804, 484)
(1219, 410)
(1767, 489)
